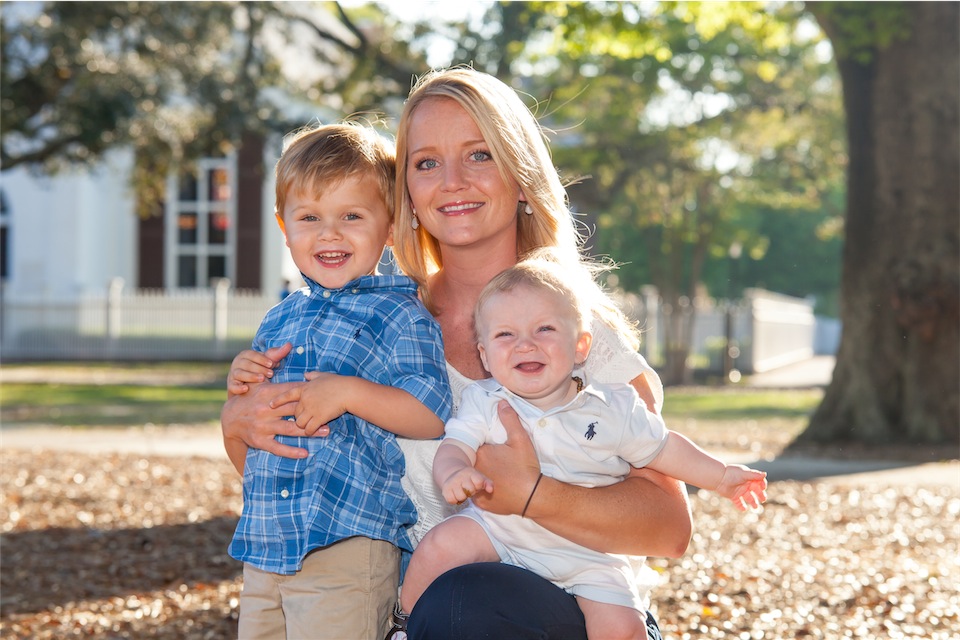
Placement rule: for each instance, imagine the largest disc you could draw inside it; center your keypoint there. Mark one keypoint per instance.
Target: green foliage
(174, 81)
(80, 78)
(685, 122)
(859, 29)
(684, 125)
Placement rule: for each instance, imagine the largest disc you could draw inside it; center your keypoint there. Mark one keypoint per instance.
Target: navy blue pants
(496, 601)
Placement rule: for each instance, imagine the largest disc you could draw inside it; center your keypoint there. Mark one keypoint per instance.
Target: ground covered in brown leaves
(122, 546)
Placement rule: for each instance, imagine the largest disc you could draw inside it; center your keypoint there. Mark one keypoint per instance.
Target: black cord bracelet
(533, 491)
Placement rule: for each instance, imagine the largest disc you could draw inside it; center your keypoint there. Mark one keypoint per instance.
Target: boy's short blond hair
(318, 157)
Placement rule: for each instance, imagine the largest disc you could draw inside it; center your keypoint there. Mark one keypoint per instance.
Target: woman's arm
(646, 514)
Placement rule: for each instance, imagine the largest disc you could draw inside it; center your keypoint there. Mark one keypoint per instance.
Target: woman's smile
(459, 208)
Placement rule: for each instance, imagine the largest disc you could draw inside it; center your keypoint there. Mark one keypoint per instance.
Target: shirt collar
(366, 284)
(498, 390)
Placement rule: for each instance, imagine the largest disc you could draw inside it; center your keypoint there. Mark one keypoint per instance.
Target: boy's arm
(327, 396)
(680, 458)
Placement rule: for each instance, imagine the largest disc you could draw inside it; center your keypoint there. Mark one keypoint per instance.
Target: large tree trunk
(897, 377)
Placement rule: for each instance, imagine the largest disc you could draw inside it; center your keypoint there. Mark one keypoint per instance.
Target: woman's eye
(480, 156)
(426, 164)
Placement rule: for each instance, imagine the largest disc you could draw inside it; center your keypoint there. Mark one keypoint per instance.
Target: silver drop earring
(415, 223)
(527, 209)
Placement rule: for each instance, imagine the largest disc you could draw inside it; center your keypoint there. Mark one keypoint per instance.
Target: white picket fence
(127, 324)
(767, 330)
(118, 323)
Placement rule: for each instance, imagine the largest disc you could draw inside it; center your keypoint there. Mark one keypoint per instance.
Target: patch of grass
(739, 404)
(113, 405)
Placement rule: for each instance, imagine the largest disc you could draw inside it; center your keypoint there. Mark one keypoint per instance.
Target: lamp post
(730, 348)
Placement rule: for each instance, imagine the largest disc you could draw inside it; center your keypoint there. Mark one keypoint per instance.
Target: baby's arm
(327, 396)
(454, 473)
(682, 459)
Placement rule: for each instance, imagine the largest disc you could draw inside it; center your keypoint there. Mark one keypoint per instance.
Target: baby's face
(338, 235)
(530, 342)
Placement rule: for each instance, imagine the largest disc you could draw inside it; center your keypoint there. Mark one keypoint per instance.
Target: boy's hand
(321, 399)
(463, 484)
(252, 367)
(746, 487)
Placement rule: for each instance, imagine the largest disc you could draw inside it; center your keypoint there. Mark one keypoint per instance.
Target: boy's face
(530, 342)
(339, 235)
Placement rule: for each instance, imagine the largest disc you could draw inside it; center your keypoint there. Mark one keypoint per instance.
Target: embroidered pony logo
(356, 335)
(590, 431)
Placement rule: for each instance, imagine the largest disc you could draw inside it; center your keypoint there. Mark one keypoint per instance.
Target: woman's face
(455, 186)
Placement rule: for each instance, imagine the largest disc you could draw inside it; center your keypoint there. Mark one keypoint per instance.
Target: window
(4, 237)
(201, 225)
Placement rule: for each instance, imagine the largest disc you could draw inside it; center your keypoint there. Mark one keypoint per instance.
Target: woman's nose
(453, 179)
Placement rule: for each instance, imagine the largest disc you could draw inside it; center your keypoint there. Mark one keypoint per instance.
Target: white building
(75, 232)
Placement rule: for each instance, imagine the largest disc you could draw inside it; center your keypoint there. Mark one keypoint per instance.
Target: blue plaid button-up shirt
(349, 484)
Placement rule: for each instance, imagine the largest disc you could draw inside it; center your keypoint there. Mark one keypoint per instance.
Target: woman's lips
(459, 208)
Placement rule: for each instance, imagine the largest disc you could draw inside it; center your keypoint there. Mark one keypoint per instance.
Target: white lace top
(611, 360)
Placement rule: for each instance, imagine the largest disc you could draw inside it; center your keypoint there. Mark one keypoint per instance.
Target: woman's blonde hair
(519, 148)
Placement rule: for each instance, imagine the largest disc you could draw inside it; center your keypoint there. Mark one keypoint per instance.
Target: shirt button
(326, 294)
(542, 422)
(285, 493)
(355, 291)
(300, 351)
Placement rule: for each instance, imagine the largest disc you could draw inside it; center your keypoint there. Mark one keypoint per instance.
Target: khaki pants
(343, 592)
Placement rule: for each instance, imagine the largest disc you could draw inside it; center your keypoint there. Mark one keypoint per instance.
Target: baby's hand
(463, 484)
(746, 487)
(252, 367)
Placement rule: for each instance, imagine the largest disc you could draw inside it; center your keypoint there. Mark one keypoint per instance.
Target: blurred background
(777, 180)
(707, 147)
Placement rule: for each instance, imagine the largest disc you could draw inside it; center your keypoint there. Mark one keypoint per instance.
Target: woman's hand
(250, 419)
(512, 467)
